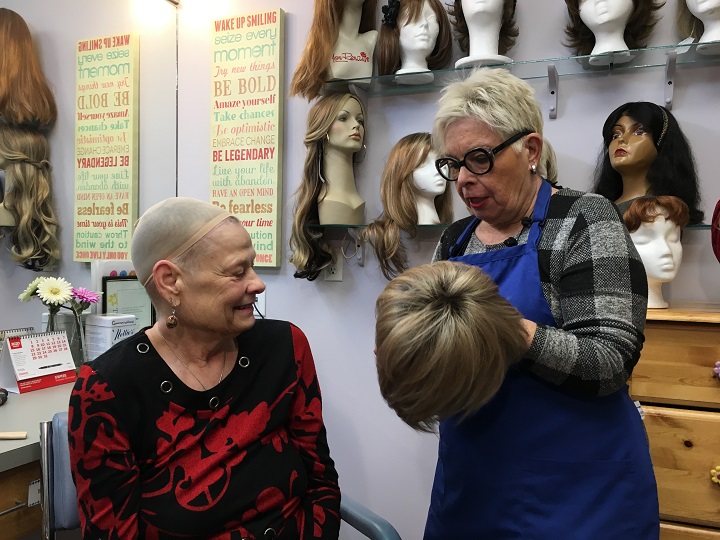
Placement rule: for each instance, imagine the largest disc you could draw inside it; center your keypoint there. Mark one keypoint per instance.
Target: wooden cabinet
(681, 400)
(15, 483)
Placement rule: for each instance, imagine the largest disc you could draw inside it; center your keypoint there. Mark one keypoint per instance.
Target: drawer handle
(715, 475)
(20, 505)
(716, 370)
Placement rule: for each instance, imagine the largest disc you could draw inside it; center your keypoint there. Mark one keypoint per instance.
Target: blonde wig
(310, 252)
(312, 70)
(388, 51)
(638, 29)
(399, 208)
(25, 97)
(28, 196)
(646, 209)
(444, 340)
(501, 101)
(508, 29)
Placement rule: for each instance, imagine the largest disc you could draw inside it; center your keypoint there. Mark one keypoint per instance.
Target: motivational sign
(106, 147)
(247, 126)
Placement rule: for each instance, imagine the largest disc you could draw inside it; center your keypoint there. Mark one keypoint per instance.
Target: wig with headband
(672, 172)
(169, 229)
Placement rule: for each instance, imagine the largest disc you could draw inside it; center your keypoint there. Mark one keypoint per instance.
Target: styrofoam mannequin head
(428, 184)
(484, 20)
(658, 243)
(655, 225)
(607, 20)
(708, 12)
(418, 38)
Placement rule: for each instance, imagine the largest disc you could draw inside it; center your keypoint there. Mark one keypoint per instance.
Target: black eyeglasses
(477, 160)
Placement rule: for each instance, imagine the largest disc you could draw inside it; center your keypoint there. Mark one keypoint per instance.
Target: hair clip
(390, 13)
(664, 127)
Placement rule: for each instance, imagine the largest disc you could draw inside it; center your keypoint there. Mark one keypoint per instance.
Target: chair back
(59, 497)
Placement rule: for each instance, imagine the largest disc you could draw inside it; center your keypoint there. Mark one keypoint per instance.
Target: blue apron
(537, 463)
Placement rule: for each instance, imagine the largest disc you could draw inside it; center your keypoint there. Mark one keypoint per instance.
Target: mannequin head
(715, 231)
(399, 195)
(607, 15)
(310, 252)
(25, 97)
(420, 29)
(312, 70)
(470, 16)
(655, 225)
(693, 16)
(347, 131)
(444, 340)
(28, 196)
(671, 172)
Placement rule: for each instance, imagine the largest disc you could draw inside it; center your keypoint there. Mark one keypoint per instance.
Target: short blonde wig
(501, 101)
(444, 339)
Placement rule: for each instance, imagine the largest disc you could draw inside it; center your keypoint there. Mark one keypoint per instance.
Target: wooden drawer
(14, 484)
(676, 365)
(685, 445)
(673, 531)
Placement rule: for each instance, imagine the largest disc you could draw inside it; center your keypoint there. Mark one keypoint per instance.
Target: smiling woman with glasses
(559, 450)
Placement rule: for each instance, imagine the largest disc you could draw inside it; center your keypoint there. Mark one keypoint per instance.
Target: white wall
(381, 462)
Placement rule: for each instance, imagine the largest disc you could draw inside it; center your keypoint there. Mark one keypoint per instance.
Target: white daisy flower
(31, 290)
(54, 291)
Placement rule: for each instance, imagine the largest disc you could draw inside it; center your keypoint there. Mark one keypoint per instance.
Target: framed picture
(126, 295)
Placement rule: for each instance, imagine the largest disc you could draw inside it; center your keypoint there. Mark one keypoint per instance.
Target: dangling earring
(533, 169)
(172, 320)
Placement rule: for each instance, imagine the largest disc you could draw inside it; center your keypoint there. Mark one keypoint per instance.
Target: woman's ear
(534, 144)
(165, 274)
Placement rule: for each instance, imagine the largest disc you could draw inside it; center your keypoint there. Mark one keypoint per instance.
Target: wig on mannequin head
(638, 29)
(444, 340)
(672, 172)
(508, 29)
(312, 70)
(399, 208)
(310, 251)
(28, 196)
(646, 209)
(387, 52)
(687, 24)
(25, 97)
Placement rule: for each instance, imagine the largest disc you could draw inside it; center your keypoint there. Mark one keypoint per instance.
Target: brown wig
(638, 29)
(25, 97)
(311, 72)
(687, 24)
(646, 209)
(388, 47)
(508, 29)
(399, 206)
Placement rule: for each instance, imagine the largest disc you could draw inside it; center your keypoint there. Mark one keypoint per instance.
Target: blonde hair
(387, 52)
(25, 97)
(547, 167)
(312, 69)
(501, 101)
(28, 196)
(310, 251)
(444, 339)
(508, 29)
(399, 207)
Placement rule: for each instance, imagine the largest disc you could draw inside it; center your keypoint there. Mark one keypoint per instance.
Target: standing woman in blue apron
(560, 451)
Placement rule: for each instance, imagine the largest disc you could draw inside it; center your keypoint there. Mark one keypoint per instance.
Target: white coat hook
(553, 83)
(670, 78)
(356, 237)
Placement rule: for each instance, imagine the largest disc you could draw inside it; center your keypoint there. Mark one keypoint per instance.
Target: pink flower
(84, 295)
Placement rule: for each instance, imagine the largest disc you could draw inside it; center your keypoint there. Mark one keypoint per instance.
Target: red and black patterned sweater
(154, 464)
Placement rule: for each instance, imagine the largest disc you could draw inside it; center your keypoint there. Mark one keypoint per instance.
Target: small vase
(76, 340)
(51, 323)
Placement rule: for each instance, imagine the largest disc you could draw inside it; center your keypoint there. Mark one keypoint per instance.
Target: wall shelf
(601, 64)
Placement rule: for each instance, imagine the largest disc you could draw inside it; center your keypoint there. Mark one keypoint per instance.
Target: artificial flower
(55, 291)
(31, 290)
(82, 294)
